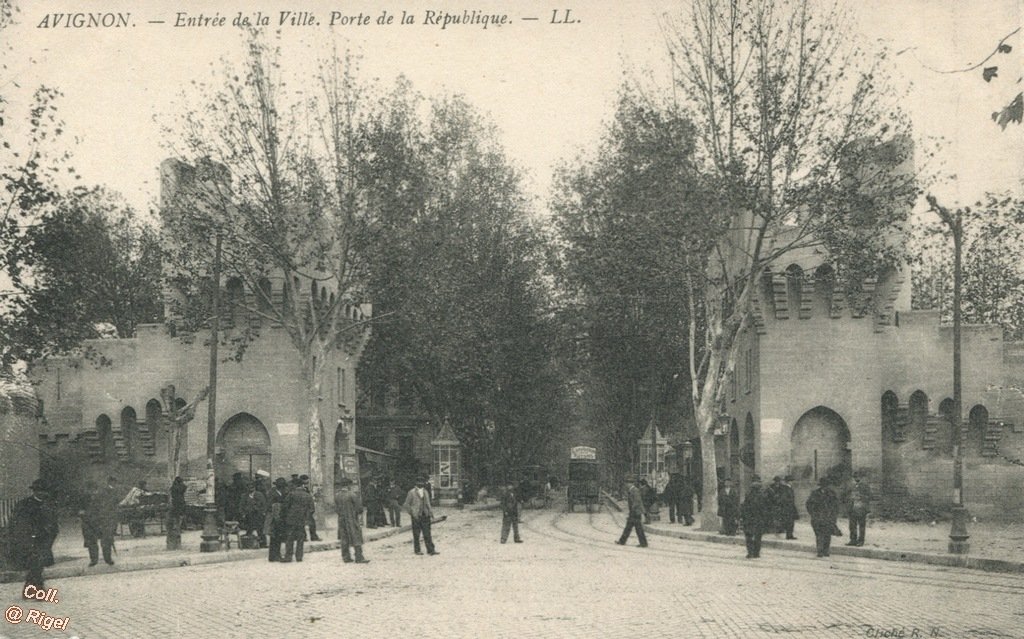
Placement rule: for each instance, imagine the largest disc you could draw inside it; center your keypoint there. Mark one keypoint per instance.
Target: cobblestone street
(567, 579)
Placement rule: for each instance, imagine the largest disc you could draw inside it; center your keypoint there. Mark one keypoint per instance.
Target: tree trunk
(315, 364)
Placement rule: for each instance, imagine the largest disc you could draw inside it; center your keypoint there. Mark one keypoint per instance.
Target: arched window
(235, 302)
(154, 424)
(105, 438)
(918, 416)
(264, 299)
(794, 289)
(947, 434)
(977, 426)
(128, 432)
(824, 289)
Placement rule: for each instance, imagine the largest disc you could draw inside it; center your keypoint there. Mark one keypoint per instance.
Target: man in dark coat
(756, 516)
(298, 508)
(304, 482)
(648, 496)
(276, 518)
(347, 503)
(634, 516)
(32, 532)
(417, 504)
(784, 502)
(99, 522)
(395, 495)
(252, 511)
(371, 498)
(858, 503)
(176, 514)
(823, 507)
(728, 508)
(510, 514)
(679, 494)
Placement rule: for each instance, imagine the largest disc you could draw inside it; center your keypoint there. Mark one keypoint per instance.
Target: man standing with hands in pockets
(417, 504)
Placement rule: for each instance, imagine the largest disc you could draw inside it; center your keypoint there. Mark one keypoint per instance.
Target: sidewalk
(995, 547)
(72, 559)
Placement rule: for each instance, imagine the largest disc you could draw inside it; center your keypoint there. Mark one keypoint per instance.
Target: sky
(548, 87)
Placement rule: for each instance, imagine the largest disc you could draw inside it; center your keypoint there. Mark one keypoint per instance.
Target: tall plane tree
(802, 144)
(275, 177)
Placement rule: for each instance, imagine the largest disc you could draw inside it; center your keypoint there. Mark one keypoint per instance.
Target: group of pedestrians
(349, 506)
(763, 510)
(383, 502)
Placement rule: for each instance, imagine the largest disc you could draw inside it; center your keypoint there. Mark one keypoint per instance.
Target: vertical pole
(211, 534)
(958, 531)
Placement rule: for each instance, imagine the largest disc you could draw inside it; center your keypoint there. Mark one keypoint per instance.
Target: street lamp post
(211, 533)
(958, 530)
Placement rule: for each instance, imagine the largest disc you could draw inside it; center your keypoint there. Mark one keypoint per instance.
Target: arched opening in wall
(977, 426)
(323, 296)
(155, 427)
(264, 296)
(129, 434)
(105, 440)
(819, 447)
(747, 452)
(235, 307)
(794, 289)
(243, 447)
(314, 293)
(946, 436)
(892, 469)
(734, 452)
(917, 417)
(824, 289)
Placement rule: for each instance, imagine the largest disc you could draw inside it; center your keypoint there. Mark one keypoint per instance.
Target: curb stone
(951, 561)
(156, 562)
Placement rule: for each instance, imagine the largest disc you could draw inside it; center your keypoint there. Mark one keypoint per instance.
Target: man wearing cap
(298, 508)
(99, 523)
(276, 514)
(858, 502)
(417, 504)
(756, 515)
(823, 507)
(348, 505)
(33, 530)
(635, 515)
(252, 509)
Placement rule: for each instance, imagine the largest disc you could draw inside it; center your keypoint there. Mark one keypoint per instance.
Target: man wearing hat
(417, 504)
(100, 521)
(728, 508)
(784, 503)
(635, 516)
(275, 522)
(347, 503)
(298, 508)
(756, 516)
(304, 482)
(858, 502)
(823, 507)
(33, 530)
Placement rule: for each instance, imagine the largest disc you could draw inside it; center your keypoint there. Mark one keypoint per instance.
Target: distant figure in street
(348, 506)
(304, 482)
(298, 508)
(679, 495)
(395, 495)
(648, 496)
(510, 514)
(252, 509)
(32, 531)
(176, 514)
(371, 497)
(276, 518)
(756, 516)
(635, 515)
(784, 502)
(823, 507)
(233, 498)
(858, 503)
(728, 508)
(99, 522)
(417, 504)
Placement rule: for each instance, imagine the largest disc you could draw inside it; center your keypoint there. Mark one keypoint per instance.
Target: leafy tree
(94, 271)
(993, 276)
(457, 262)
(626, 222)
(275, 180)
(801, 147)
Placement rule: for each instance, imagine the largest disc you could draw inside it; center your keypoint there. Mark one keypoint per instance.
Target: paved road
(568, 580)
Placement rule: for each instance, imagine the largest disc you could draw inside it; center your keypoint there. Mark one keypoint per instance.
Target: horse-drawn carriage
(584, 479)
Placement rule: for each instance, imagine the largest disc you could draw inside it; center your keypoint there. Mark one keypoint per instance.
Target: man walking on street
(298, 507)
(417, 504)
(756, 514)
(635, 516)
(32, 532)
(99, 522)
(858, 504)
(510, 514)
(347, 503)
(823, 507)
